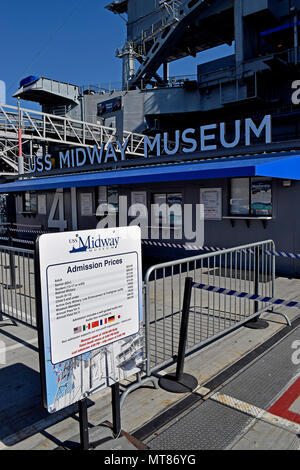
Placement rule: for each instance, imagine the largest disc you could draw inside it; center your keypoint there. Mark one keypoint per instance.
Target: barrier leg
(180, 382)
(257, 323)
(116, 409)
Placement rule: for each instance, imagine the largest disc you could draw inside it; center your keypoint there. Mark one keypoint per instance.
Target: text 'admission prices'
(93, 298)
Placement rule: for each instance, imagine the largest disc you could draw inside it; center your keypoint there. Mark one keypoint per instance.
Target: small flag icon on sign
(78, 330)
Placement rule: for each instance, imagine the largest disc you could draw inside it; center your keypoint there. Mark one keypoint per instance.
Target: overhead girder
(167, 39)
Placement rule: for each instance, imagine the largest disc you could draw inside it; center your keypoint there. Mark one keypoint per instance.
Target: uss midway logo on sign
(91, 243)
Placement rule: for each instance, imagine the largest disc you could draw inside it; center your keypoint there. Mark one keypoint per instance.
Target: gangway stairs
(8, 154)
(39, 128)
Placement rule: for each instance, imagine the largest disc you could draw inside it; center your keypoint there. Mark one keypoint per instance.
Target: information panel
(91, 302)
(212, 200)
(261, 197)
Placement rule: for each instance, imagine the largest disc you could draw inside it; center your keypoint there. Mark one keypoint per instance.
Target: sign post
(181, 382)
(115, 393)
(89, 294)
(83, 424)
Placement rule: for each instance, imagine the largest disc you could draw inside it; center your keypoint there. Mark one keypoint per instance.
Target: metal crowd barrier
(215, 307)
(17, 284)
(249, 268)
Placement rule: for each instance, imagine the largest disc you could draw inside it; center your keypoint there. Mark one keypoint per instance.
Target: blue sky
(72, 40)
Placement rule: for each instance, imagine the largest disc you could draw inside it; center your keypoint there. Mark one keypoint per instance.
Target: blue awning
(285, 166)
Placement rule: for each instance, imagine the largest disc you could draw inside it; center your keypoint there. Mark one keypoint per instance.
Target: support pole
(83, 424)
(116, 409)
(257, 323)
(166, 72)
(12, 267)
(184, 328)
(180, 382)
(20, 159)
(296, 39)
(239, 36)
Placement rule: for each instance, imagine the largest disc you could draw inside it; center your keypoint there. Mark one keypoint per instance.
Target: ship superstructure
(139, 139)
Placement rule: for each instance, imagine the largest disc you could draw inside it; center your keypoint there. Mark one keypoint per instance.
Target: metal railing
(17, 284)
(213, 313)
(100, 88)
(248, 268)
(58, 129)
(42, 127)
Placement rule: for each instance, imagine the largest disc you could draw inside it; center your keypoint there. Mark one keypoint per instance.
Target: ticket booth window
(30, 202)
(109, 195)
(251, 197)
(168, 209)
(240, 197)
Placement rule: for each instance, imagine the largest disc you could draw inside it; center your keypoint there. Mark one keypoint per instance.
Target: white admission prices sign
(91, 299)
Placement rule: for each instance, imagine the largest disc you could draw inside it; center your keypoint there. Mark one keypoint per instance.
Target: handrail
(203, 256)
(64, 130)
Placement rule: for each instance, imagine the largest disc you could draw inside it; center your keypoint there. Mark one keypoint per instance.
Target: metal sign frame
(119, 343)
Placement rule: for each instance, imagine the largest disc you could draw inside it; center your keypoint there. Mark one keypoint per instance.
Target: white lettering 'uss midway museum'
(160, 145)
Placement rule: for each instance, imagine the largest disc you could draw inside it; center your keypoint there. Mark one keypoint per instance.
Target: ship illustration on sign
(81, 249)
(131, 353)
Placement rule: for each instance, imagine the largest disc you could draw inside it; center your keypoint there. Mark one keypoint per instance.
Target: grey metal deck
(212, 425)
(24, 424)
